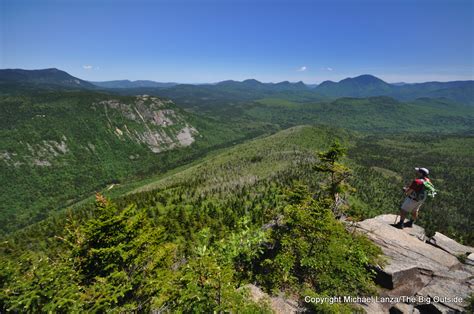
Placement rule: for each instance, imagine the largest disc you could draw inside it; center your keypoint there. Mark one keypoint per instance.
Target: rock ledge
(427, 269)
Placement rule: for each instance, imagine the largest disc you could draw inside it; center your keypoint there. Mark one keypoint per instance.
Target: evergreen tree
(334, 191)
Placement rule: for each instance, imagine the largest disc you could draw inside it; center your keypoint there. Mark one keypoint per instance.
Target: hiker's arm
(409, 189)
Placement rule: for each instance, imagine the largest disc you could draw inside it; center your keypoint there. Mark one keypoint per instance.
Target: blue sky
(209, 41)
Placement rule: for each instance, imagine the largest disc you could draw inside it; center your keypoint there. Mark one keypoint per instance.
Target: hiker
(415, 196)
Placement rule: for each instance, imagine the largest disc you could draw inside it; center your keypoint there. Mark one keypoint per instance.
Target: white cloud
(302, 69)
(329, 69)
(87, 67)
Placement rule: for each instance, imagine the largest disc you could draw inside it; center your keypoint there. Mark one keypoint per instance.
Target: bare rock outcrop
(449, 245)
(424, 273)
(278, 304)
(151, 121)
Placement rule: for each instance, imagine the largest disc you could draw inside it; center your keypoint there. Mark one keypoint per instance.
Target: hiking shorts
(409, 205)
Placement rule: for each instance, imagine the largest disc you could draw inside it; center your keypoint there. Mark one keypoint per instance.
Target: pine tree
(334, 192)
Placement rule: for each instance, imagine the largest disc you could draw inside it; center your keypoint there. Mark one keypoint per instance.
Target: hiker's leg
(406, 208)
(400, 224)
(415, 212)
(403, 214)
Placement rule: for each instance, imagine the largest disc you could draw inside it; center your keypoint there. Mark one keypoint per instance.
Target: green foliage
(195, 239)
(99, 159)
(312, 249)
(207, 283)
(372, 115)
(338, 176)
(107, 261)
(377, 158)
(38, 282)
(470, 304)
(59, 147)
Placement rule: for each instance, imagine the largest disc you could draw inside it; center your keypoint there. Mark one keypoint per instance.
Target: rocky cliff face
(56, 134)
(58, 146)
(423, 274)
(150, 121)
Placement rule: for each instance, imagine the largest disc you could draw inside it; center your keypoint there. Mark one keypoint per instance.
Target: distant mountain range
(368, 86)
(133, 84)
(254, 84)
(361, 86)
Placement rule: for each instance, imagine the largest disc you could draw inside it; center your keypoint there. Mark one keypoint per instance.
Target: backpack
(428, 190)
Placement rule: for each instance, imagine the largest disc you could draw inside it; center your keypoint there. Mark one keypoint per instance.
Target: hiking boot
(410, 223)
(399, 225)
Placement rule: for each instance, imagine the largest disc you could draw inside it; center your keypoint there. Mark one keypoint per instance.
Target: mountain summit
(364, 79)
(50, 76)
(368, 86)
(361, 86)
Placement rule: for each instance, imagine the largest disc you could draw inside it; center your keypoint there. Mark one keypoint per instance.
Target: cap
(423, 171)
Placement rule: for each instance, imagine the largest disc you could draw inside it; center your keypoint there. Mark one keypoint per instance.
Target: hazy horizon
(230, 79)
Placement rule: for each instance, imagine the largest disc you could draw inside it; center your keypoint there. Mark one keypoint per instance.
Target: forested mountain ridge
(360, 86)
(257, 213)
(60, 145)
(136, 140)
(227, 221)
(461, 92)
(369, 85)
(373, 114)
(132, 84)
(366, 85)
(51, 76)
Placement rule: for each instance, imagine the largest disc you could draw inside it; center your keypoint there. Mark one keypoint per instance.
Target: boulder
(448, 291)
(470, 259)
(403, 308)
(449, 245)
(373, 308)
(406, 253)
(414, 268)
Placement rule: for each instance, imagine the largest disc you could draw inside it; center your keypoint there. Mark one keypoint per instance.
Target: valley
(186, 173)
(63, 146)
